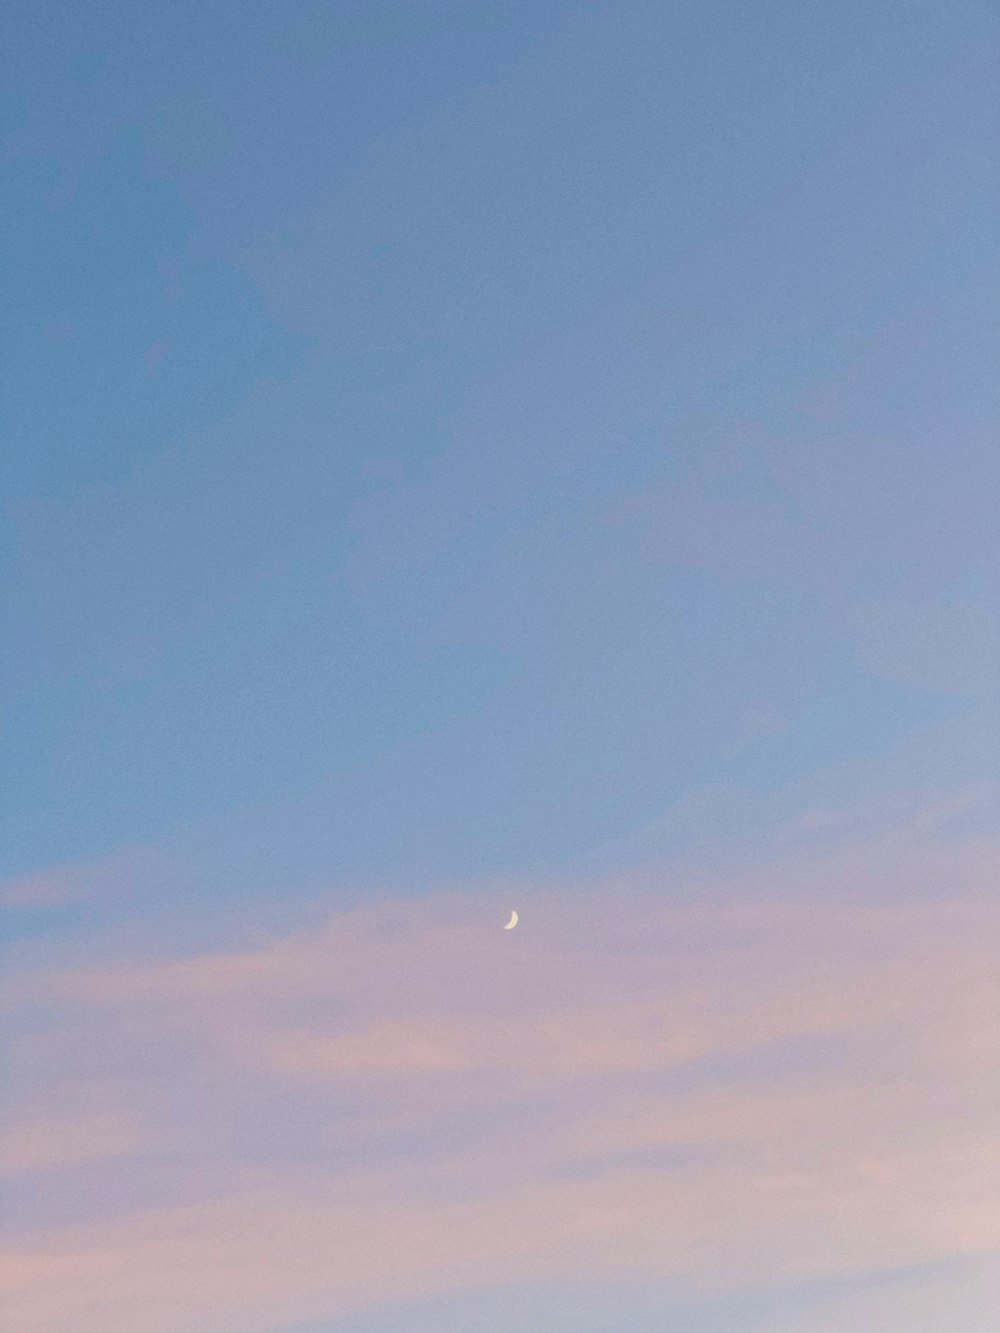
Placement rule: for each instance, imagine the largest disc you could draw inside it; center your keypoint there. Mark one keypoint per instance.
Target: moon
(512, 922)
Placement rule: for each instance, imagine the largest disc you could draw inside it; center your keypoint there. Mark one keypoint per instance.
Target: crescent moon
(512, 922)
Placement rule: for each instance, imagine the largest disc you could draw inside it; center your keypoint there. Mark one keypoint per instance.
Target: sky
(465, 456)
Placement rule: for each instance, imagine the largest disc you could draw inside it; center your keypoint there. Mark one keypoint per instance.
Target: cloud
(781, 1078)
(86, 882)
(41, 1144)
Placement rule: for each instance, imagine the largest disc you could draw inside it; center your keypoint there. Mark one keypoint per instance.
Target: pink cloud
(39, 1145)
(84, 881)
(787, 1076)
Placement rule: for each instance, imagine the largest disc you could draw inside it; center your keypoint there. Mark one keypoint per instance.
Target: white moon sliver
(512, 922)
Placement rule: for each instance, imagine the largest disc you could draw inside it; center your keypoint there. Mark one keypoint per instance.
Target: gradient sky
(463, 455)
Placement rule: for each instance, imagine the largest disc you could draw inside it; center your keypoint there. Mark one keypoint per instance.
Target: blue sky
(459, 445)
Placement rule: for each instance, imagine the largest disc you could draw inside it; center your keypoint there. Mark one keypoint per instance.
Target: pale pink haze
(792, 1077)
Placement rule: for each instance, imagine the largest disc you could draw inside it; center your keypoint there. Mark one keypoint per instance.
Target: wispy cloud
(85, 882)
(783, 1081)
(60, 1140)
